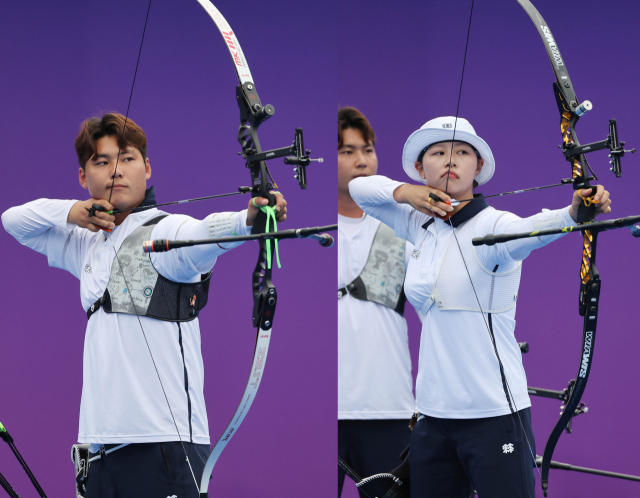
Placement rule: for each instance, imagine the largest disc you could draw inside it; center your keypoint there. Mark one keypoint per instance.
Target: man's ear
(147, 168)
(82, 177)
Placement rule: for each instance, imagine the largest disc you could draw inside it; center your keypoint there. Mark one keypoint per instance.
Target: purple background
(402, 67)
(63, 62)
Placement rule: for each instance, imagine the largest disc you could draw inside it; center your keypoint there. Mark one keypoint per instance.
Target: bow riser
(568, 122)
(252, 114)
(265, 296)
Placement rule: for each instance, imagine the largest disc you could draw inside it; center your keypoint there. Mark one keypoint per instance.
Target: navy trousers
(147, 470)
(371, 446)
(448, 457)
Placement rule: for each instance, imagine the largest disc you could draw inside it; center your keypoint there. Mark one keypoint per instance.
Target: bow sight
(252, 114)
(616, 148)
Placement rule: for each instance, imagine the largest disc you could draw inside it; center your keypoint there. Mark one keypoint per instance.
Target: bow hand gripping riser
(252, 115)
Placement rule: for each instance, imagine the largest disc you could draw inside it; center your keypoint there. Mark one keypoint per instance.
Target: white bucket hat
(441, 130)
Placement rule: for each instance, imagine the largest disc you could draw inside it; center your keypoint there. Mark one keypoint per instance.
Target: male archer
(123, 291)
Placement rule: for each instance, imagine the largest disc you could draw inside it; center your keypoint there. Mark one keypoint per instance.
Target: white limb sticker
(257, 368)
(239, 61)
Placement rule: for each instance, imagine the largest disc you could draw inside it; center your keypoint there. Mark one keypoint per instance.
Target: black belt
(95, 307)
(358, 290)
(346, 290)
(104, 449)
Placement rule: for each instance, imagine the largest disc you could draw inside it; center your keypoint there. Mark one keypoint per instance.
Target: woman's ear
(420, 170)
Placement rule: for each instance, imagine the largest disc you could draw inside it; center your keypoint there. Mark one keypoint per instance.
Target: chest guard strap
(382, 278)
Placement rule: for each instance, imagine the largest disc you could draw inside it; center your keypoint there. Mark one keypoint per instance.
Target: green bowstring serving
(271, 215)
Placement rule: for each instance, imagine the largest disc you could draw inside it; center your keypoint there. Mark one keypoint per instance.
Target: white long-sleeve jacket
(458, 372)
(122, 400)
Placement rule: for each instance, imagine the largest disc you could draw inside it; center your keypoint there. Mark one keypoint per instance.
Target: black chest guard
(148, 293)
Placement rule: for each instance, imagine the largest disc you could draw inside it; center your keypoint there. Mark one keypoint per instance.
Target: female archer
(473, 422)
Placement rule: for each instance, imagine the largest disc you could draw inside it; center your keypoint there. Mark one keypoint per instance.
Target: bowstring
(510, 398)
(128, 288)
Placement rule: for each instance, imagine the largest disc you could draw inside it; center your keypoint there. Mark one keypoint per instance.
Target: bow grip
(260, 223)
(586, 212)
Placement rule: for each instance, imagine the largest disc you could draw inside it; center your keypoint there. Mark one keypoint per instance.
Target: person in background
(375, 387)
